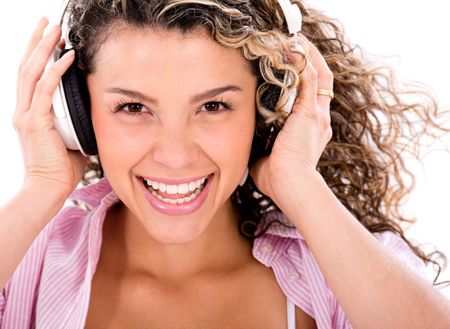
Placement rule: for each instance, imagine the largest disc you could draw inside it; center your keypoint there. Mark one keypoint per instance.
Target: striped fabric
(51, 286)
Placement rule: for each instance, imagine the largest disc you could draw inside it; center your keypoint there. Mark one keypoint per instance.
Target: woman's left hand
(305, 134)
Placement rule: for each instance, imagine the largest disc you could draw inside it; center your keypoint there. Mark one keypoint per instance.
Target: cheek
(229, 144)
(119, 145)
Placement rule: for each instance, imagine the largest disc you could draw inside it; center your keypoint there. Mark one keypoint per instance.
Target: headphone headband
(292, 15)
(61, 12)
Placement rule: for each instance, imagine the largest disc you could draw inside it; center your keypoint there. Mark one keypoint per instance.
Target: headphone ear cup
(78, 103)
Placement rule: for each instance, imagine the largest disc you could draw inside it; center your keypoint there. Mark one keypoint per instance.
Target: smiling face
(174, 118)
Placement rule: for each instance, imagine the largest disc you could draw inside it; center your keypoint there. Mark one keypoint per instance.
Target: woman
(183, 96)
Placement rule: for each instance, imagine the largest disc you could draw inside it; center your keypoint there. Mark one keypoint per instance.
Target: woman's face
(174, 117)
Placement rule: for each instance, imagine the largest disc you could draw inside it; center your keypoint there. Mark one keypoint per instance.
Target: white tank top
(290, 314)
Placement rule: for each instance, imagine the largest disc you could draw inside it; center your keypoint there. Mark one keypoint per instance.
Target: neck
(221, 248)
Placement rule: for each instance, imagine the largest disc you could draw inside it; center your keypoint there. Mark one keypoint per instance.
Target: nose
(175, 149)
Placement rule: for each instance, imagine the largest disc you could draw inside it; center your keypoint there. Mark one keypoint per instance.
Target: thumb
(79, 163)
(259, 172)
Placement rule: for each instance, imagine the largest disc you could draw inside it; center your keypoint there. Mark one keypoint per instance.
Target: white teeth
(192, 186)
(172, 189)
(176, 189)
(155, 185)
(183, 188)
(176, 201)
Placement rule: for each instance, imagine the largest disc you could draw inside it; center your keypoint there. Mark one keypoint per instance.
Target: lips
(176, 198)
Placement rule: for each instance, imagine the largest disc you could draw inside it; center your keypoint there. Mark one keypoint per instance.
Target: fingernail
(42, 20)
(50, 31)
(296, 46)
(54, 29)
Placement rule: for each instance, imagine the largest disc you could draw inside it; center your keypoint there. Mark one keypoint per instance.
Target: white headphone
(292, 15)
(72, 118)
(293, 18)
(71, 113)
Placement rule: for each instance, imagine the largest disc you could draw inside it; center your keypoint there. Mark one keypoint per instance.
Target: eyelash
(226, 106)
(122, 105)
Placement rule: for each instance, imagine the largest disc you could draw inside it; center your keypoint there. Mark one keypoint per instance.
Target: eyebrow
(196, 98)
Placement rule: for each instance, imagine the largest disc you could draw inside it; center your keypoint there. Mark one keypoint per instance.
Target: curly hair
(376, 121)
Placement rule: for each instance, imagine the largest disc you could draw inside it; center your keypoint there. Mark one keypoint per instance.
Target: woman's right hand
(46, 159)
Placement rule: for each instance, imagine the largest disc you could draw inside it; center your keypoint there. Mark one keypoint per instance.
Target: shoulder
(54, 266)
(55, 233)
(68, 226)
(283, 248)
(72, 223)
(76, 222)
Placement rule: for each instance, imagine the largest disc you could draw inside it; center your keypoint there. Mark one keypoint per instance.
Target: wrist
(294, 187)
(49, 189)
(300, 192)
(41, 198)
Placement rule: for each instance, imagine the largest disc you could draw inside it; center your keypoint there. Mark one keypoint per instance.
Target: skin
(177, 138)
(380, 293)
(172, 137)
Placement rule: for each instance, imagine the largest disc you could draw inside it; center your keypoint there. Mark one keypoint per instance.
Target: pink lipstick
(176, 200)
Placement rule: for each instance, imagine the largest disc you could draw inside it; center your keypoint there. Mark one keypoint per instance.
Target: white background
(410, 35)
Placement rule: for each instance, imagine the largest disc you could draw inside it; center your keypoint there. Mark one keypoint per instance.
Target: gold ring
(326, 92)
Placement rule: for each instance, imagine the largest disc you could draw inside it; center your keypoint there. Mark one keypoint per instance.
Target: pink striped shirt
(51, 286)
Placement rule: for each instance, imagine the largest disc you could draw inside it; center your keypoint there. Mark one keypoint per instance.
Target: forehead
(166, 50)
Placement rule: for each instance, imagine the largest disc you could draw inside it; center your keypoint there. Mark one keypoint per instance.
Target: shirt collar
(276, 223)
(92, 194)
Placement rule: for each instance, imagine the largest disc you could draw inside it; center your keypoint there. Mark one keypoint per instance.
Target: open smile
(172, 197)
(175, 194)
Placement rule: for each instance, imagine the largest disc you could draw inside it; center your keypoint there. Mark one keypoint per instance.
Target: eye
(131, 108)
(214, 107)
(134, 107)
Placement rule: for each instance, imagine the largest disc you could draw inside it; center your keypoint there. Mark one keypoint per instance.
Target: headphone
(71, 102)
(293, 18)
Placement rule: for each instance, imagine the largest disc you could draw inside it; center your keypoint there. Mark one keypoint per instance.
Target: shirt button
(266, 247)
(293, 277)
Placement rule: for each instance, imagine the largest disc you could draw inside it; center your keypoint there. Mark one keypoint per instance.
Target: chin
(176, 231)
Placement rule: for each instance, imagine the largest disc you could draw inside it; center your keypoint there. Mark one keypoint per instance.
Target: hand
(46, 159)
(305, 134)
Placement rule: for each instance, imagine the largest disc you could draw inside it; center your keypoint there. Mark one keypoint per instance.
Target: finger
(35, 38)
(324, 81)
(35, 66)
(62, 44)
(324, 75)
(45, 88)
(79, 163)
(259, 170)
(306, 101)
